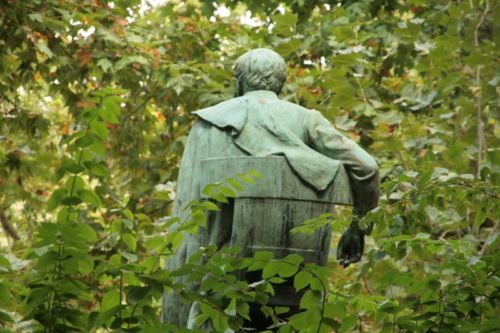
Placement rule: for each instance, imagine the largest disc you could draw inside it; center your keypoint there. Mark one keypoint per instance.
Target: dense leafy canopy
(96, 100)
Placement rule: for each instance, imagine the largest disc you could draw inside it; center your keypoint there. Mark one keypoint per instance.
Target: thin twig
(326, 99)
(136, 110)
(8, 228)
(403, 160)
(367, 286)
(480, 124)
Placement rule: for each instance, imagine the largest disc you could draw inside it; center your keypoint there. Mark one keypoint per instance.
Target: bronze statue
(307, 175)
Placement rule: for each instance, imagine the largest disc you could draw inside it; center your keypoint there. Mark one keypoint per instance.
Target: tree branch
(136, 110)
(480, 124)
(9, 229)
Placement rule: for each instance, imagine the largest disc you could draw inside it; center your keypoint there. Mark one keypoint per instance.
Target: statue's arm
(326, 139)
(363, 175)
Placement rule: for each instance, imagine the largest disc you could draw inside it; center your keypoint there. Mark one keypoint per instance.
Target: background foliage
(415, 82)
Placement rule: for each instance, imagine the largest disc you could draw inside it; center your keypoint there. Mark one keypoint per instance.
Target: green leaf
(75, 168)
(457, 156)
(235, 249)
(378, 255)
(424, 180)
(152, 318)
(454, 11)
(63, 216)
(90, 115)
(435, 248)
(286, 48)
(128, 214)
(153, 242)
(4, 317)
(494, 155)
(90, 197)
(219, 197)
(310, 299)
(276, 280)
(302, 280)
(193, 202)
(2, 155)
(108, 116)
(287, 270)
(345, 60)
(348, 323)
(263, 255)
(466, 307)
(190, 227)
(255, 174)
(208, 189)
(237, 186)
(85, 231)
(271, 270)
(168, 221)
(112, 106)
(105, 64)
(394, 144)
(98, 93)
(85, 265)
(129, 256)
(100, 129)
(55, 199)
(495, 178)
(220, 322)
(208, 284)
(74, 183)
(98, 147)
(44, 49)
(201, 319)
(200, 218)
(110, 299)
(97, 169)
(210, 206)
(227, 192)
(83, 142)
(248, 180)
(284, 23)
(243, 309)
(74, 200)
(4, 261)
(128, 223)
(130, 241)
(138, 294)
(480, 218)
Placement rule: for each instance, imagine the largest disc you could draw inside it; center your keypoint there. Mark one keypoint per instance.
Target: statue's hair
(260, 69)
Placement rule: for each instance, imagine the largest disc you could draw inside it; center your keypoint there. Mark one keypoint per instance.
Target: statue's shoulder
(226, 105)
(229, 113)
(295, 108)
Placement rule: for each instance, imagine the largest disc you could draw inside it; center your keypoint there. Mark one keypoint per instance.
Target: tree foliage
(86, 176)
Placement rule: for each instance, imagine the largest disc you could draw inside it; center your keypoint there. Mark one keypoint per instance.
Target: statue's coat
(259, 124)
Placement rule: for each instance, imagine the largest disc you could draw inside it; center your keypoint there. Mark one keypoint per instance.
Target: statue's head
(260, 69)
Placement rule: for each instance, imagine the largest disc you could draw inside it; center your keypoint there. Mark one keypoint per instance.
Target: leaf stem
(74, 176)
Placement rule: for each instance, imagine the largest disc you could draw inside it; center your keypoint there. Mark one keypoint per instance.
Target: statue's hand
(351, 246)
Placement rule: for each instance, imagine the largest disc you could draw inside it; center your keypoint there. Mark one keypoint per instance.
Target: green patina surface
(308, 167)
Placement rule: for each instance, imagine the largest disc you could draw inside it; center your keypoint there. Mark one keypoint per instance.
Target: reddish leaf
(85, 57)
